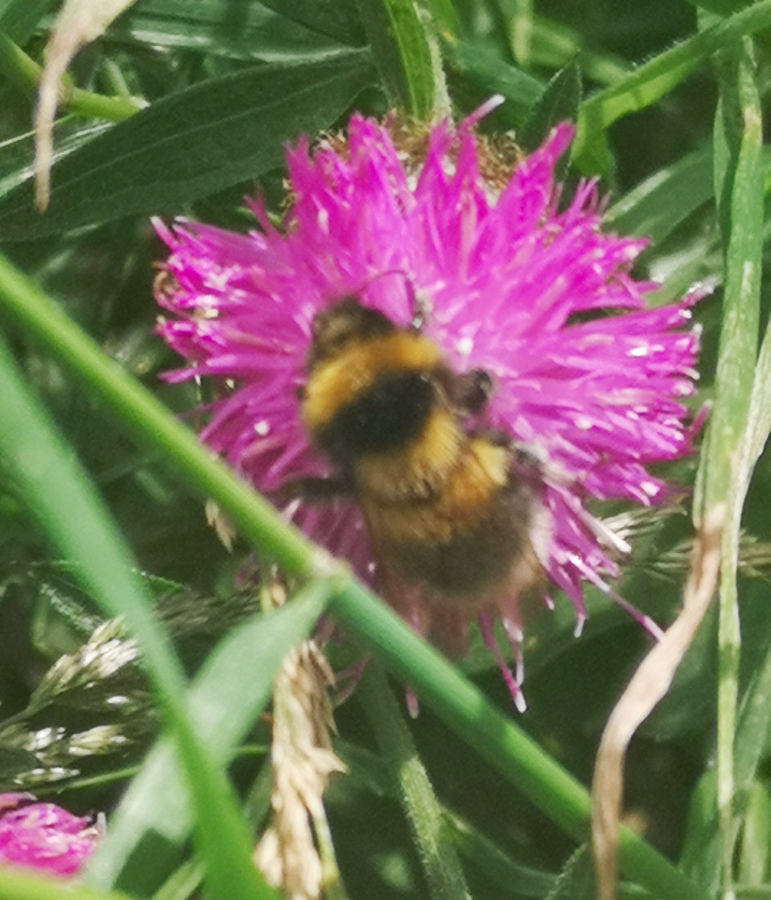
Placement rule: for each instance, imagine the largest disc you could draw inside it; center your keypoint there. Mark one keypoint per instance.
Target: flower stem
(16, 884)
(436, 848)
(498, 740)
(24, 72)
(331, 878)
(461, 705)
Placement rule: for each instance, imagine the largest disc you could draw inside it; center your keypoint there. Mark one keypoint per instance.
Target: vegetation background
(182, 108)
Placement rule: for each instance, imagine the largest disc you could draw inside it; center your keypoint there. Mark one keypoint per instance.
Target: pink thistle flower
(44, 836)
(587, 377)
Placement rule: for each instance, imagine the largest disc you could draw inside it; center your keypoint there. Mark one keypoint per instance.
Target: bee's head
(335, 329)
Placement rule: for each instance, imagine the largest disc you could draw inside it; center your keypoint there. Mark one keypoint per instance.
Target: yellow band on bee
(419, 467)
(340, 381)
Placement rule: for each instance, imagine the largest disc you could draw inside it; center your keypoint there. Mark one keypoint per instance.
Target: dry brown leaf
(649, 684)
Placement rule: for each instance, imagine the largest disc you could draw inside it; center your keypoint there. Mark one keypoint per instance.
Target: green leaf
(475, 73)
(754, 715)
(700, 854)
(656, 207)
(756, 838)
(188, 145)
(576, 880)
(721, 7)
(739, 181)
(336, 18)
(401, 46)
(240, 31)
(19, 18)
(55, 488)
(554, 45)
(654, 79)
(497, 866)
(154, 819)
(444, 15)
(700, 857)
(559, 102)
(721, 483)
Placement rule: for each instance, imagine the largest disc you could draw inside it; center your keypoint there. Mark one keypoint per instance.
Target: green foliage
(237, 124)
(184, 108)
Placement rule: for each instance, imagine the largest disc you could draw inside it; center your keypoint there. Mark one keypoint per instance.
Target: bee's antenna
(422, 305)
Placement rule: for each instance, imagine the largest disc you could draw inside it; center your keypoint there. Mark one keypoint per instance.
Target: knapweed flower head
(515, 280)
(44, 836)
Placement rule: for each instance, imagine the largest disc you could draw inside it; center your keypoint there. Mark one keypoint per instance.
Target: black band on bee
(390, 414)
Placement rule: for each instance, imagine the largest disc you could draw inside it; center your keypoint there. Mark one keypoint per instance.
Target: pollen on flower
(519, 281)
(464, 346)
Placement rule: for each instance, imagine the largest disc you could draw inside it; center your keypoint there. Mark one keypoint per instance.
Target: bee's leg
(497, 437)
(315, 489)
(525, 458)
(529, 457)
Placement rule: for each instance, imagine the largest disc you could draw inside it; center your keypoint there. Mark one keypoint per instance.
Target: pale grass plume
(295, 853)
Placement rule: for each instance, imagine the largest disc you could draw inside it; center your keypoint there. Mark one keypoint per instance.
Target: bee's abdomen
(467, 557)
(468, 539)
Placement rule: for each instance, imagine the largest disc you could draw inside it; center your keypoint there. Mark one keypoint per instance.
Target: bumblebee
(449, 506)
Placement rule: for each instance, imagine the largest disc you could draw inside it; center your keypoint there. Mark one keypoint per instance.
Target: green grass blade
(146, 419)
(401, 43)
(656, 207)
(720, 482)
(651, 81)
(45, 473)
(229, 692)
(744, 746)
